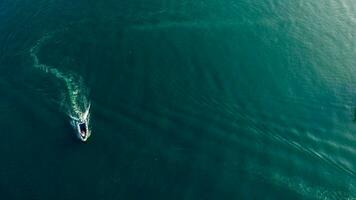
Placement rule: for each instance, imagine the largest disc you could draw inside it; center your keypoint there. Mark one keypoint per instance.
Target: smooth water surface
(232, 99)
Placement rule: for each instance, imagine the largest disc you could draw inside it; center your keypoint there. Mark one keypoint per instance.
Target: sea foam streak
(75, 94)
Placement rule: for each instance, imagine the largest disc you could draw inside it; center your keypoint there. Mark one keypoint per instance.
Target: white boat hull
(81, 126)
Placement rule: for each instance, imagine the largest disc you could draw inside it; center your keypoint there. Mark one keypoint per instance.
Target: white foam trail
(75, 97)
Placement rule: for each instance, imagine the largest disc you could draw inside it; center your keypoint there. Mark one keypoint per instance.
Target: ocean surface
(190, 100)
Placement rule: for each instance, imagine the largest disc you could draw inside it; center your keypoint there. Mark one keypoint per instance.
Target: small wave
(298, 185)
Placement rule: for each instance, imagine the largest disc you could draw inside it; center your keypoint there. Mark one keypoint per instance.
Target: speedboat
(82, 130)
(81, 126)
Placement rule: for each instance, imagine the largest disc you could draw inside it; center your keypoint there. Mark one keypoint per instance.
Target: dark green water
(189, 99)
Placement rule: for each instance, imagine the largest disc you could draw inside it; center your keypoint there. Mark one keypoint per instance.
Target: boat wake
(74, 102)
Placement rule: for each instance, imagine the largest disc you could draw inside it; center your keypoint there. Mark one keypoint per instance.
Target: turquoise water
(189, 99)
